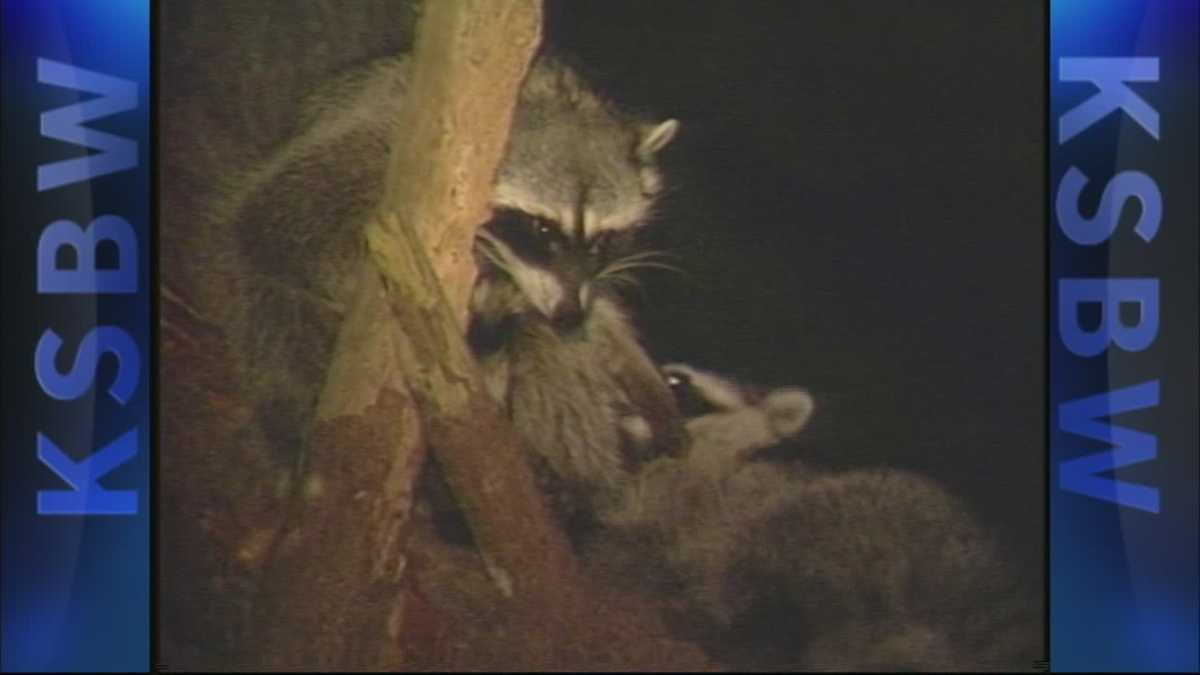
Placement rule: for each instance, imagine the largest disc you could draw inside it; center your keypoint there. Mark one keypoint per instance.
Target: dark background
(858, 190)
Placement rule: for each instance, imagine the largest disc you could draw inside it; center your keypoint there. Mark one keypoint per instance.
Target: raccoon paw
(637, 431)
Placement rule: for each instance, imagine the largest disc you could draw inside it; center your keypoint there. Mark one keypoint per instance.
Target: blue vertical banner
(1123, 285)
(77, 288)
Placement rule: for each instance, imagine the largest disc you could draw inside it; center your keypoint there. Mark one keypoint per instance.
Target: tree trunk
(337, 568)
(331, 591)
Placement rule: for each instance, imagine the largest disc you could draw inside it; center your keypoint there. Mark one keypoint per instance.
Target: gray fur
(568, 143)
(859, 555)
(870, 569)
(294, 222)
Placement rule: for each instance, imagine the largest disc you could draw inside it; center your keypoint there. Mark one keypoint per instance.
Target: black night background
(858, 192)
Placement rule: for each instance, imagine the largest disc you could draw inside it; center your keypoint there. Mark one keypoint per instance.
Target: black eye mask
(690, 403)
(532, 237)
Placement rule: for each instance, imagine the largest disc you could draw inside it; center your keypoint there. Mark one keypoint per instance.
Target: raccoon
(554, 339)
(703, 518)
(788, 565)
(728, 423)
(556, 344)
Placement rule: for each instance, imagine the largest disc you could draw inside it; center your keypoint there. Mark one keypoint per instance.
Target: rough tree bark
(335, 588)
(330, 596)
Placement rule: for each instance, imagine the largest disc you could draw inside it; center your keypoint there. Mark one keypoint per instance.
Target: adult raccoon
(558, 350)
(786, 564)
(578, 182)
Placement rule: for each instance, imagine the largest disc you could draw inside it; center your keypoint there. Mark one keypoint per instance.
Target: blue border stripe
(76, 588)
(1124, 549)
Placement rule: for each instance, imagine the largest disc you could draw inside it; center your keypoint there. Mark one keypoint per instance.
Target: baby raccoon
(782, 565)
(728, 423)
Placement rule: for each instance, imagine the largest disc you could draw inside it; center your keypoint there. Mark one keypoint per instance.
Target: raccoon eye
(690, 403)
(546, 236)
(677, 381)
(540, 227)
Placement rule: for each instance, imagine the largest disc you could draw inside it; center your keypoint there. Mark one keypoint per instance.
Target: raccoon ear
(788, 410)
(654, 137)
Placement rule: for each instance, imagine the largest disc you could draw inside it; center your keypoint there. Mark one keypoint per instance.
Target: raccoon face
(577, 182)
(720, 411)
(554, 273)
